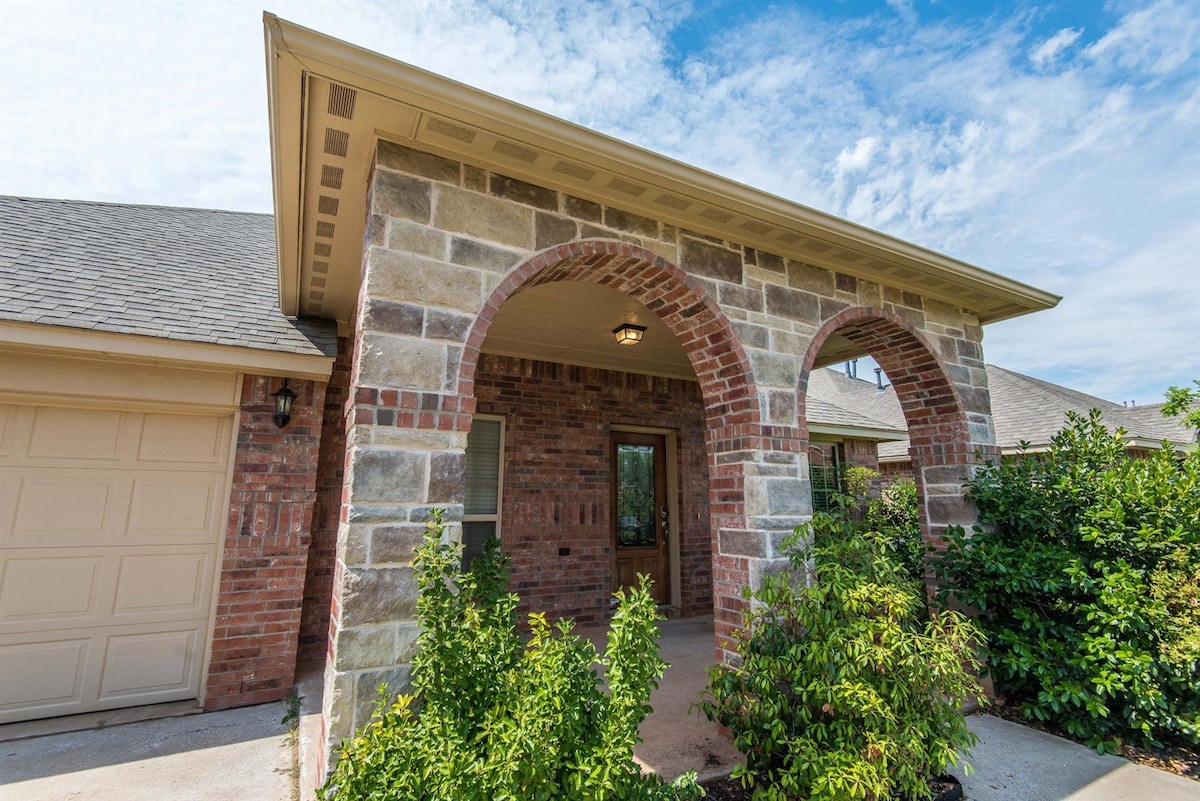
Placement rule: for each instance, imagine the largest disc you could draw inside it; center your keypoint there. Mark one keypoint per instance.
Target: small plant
(291, 714)
(842, 691)
(1086, 567)
(494, 719)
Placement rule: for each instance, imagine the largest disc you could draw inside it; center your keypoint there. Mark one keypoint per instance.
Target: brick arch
(734, 431)
(707, 336)
(940, 440)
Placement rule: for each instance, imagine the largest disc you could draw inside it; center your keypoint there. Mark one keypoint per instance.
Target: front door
(640, 513)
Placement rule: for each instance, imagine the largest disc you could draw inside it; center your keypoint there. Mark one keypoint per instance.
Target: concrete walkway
(248, 755)
(235, 755)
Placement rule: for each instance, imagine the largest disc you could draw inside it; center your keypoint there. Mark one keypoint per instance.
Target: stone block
(395, 544)
(419, 239)
(398, 679)
(522, 192)
(423, 282)
(406, 641)
(393, 318)
(772, 369)
(401, 363)
(474, 178)
(831, 307)
(353, 543)
(780, 406)
(378, 595)
(470, 253)
(484, 217)
(810, 279)
(447, 325)
(337, 706)
(845, 283)
(738, 542)
(870, 294)
(396, 195)
(550, 230)
(770, 262)
(711, 261)
(740, 297)
(946, 510)
(426, 165)
(630, 223)
(942, 313)
(790, 496)
(366, 648)
(582, 209)
(447, 476)
(387, 476)
(752, 336)
(792, 304)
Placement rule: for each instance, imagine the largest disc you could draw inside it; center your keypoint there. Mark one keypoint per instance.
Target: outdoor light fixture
(628, 333)
(283, 404)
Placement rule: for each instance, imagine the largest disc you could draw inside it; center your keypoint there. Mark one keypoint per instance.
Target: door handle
(666, 524)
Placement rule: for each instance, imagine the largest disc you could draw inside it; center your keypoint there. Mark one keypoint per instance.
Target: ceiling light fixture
(628, 333)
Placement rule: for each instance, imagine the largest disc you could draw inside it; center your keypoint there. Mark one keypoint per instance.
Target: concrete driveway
(233, 755)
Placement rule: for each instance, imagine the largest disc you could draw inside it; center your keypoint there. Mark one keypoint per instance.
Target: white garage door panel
(110, 524)
(39, 589)
(51, 675)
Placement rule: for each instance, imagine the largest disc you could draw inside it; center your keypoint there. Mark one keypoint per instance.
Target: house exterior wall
(327, 507)
(559, 496)
(447, 243)
(255, 634)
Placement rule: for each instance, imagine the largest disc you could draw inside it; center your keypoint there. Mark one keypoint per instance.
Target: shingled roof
(1023, 409)
(195, 275)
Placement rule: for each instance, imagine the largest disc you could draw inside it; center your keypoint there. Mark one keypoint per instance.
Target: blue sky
(1056, 142)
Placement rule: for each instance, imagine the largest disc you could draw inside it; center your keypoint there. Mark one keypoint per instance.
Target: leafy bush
(841, 691)
(493, 718)
(1086, 567)
(896, 516)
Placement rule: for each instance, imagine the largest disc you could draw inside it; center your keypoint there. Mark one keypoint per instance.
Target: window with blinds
(484, 480)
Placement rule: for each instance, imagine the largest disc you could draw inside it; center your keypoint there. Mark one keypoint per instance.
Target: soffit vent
(574, 170)
(331, 177)
(341, 101)
(716, 216)
(337, 143)
(325, 229)
(449, 129)
(670, 201)
(327, 205)
(515, 151)
(628, 187)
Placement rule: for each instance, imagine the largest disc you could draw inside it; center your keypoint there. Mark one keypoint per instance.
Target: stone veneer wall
(557, 482)
(266, 547)
(446, 243)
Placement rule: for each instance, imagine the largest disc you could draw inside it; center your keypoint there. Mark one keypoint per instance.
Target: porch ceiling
(331, 102)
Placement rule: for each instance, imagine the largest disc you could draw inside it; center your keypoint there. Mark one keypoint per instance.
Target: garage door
(109, 541)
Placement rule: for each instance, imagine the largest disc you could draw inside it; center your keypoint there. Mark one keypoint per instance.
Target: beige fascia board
(285, 111)
(345, 63)
(858, 432)
(1148, 443)
(156, 350)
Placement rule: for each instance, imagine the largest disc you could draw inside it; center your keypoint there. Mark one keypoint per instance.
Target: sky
(1054, 142)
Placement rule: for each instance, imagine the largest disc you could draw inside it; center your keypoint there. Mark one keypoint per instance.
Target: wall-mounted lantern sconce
(283, 404)
(629, 334)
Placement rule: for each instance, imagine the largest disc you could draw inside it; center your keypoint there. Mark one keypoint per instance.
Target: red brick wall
(556, 477)
(890, 472)
(322, 552)
(266, 547)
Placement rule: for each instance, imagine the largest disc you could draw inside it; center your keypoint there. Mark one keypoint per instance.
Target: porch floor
(677, 741)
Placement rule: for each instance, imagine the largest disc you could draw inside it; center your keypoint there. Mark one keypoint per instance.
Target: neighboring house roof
(193, 275)
(1023, 409)
(824, 417)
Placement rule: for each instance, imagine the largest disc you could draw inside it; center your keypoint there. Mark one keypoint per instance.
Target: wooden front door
(640, 515)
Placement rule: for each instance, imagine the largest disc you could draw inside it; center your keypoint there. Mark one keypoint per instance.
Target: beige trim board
(156, 350)
(309, 75)
(857, 432)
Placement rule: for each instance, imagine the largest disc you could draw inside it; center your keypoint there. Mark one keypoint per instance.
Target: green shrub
(1086, 567)
(841, 690)
(493, 718)
(896, 516)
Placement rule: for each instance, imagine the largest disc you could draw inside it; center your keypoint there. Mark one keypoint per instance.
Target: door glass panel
(636, 513)
(475, 536)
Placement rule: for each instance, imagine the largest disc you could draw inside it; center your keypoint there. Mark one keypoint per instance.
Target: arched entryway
(733, 434)
(947, 420)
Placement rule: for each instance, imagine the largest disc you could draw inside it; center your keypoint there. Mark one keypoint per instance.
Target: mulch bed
(1172, 757)
(731, 790)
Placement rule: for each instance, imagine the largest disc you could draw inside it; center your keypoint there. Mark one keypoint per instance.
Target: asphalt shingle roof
(1023, 409)
(196, 275)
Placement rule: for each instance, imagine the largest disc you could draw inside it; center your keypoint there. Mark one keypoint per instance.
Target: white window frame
(496, 517)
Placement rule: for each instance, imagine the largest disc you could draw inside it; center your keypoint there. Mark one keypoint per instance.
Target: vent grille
(756, 227)
(672, 202)
(318, 282)
(323, 249)
(716, 216)
(327, 205)
(325, 229)
(628, 187)
(450, 130)
(341, 101)
(574, 170)
(331, 177)
(515, 151)
(320, 266)
(337, 143)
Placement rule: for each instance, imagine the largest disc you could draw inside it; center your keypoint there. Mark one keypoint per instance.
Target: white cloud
(1019, 150)
(1044, 54)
